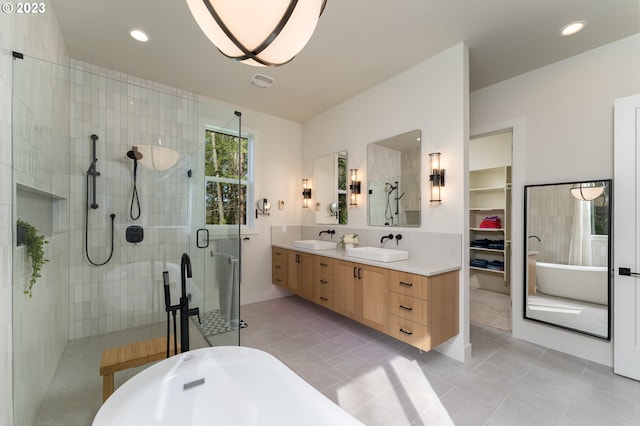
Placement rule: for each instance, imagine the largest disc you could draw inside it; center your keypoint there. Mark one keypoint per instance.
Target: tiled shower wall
(40, 172)
(125, 111)
(550, 217)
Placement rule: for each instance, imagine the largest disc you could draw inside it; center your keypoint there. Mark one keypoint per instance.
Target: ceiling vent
(262, 81)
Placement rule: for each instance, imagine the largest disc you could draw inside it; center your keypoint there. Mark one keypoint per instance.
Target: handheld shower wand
(135, 155)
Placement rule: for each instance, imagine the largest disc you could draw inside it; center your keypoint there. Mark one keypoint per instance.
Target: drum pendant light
(258, 32)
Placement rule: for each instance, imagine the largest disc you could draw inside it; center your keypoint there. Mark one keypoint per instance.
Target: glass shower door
(217, 213)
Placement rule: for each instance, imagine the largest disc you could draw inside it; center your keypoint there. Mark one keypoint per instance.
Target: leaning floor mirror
(567, 254)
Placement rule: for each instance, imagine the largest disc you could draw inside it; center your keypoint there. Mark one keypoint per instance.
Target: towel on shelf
(491, 222)
(479, 263)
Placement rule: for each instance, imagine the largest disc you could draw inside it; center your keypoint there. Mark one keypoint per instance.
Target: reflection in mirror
(393, 176)
(567, 256)
(330, 197)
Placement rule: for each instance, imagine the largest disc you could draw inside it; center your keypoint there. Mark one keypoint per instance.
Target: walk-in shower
(74, 140)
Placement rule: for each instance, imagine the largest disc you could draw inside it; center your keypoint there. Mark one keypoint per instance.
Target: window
(226, 200)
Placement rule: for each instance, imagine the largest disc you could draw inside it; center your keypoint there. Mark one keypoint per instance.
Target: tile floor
(382, 381)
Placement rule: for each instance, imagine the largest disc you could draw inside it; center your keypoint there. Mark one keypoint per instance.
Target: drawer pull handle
(277, 267)
(406, 332)
(324, 299)
(278, 280)
(402, 283)
(324, 265)
(406, 308)
(324, 282)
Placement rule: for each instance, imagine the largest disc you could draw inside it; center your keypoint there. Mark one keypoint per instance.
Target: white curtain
(580, 245)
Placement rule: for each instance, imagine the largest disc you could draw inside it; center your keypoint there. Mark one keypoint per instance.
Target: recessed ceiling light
(572, 28)
(139, 35)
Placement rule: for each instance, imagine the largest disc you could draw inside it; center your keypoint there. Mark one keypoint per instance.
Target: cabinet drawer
(278, 277)
(409, 284)
(325, 265)
(278, 253)
(323, 296)
(408, 307)
(325, 280)
(410, 332)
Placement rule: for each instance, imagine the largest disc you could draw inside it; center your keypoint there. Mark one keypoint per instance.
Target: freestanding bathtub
(225, 385)
(585, 283)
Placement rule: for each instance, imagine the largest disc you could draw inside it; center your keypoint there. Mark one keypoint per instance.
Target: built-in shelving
(490, 196)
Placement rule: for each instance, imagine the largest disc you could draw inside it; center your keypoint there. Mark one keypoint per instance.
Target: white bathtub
(226, 385)
(585, 283)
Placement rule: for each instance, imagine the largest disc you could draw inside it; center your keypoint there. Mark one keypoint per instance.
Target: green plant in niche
(35, 248)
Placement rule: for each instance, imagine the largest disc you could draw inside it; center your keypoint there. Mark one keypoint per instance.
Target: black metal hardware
(406, 308)
(324, 265)
(406, 332)
(206, 231)
(402, 283)
(355, 273)
(359, 273)
(324, 282)
(17, 55)
(627, 272)
(324, 299)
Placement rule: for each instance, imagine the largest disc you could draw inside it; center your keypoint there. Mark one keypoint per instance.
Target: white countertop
(412, 266)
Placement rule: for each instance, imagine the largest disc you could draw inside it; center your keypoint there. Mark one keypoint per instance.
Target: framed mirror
(330, 193)
(393, 181)
(567, 249)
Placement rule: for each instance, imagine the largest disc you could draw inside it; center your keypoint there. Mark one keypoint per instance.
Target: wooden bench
(129, 356)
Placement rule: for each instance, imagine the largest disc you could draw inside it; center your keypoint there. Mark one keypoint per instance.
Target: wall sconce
(306, 193)
(587, 191)
(354, 187)
(436, 177)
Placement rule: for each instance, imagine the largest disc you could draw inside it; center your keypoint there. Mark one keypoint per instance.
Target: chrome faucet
(386, 237)
(328, 231)
(185, 312)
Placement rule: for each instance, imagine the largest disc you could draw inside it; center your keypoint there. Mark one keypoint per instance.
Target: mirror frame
(400, 144)
(609, 195)
(340, 195)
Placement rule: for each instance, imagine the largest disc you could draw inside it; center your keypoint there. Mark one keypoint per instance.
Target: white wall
(433, 97)
(565, 116)
(39, 36)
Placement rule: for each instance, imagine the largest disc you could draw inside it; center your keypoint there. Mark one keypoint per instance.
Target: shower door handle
(206, 232)
(627, 272)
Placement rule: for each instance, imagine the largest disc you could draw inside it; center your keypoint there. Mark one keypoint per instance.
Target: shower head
(134, 154)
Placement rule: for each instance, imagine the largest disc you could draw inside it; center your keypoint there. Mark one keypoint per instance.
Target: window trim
(250, 220)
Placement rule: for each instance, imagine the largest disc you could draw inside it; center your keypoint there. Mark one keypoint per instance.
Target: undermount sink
(315, 244)
(378, 254)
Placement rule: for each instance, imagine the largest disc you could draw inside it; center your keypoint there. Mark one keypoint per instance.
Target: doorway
(490, 228)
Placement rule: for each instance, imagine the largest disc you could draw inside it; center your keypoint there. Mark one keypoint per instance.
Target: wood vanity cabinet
(423, 311)
(324, 281)
(361, 293)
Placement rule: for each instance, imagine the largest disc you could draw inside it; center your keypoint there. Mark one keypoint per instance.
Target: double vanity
(415, 302)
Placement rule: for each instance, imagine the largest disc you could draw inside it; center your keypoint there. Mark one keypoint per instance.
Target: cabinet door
(373, 296)
(292, 271)
(305, 275)
(345, 288)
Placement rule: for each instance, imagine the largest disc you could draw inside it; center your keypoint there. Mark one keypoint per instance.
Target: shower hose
(86, 231)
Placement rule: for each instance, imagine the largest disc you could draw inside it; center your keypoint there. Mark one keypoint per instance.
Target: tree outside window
(226, 178)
